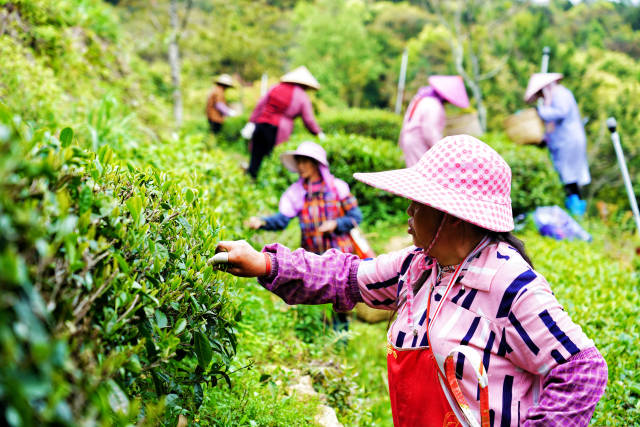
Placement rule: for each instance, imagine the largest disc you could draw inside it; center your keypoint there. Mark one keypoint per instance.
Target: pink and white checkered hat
(459, 175)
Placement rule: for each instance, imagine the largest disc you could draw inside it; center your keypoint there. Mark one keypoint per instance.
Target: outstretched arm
(299, 277)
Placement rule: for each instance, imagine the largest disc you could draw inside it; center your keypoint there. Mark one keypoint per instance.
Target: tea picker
(615, 138)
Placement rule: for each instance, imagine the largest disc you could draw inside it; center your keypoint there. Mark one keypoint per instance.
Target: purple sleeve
(306, 110)
(559, 108)
(571, 391)
(302, 277)
(222, 107)
(259, 108)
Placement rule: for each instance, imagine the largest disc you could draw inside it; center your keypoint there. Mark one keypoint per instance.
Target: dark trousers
(215, 126)
(262, 143)
(572, 188)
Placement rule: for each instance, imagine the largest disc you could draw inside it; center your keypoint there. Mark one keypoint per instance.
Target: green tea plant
(109, 306)
(602, 296)
(381, 124)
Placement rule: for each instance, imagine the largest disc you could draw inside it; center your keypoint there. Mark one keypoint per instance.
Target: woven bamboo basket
(463, 124)
(372, 315)
(524, 127)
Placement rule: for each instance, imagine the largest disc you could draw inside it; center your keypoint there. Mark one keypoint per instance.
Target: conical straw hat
(539, 81)
(451, 88)
(301, 76)
(225, 80)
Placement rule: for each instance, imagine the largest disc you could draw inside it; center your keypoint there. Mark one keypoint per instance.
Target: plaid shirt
(320, 205)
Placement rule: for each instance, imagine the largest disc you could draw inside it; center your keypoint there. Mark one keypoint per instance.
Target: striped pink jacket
(542, 368)
(500, 307)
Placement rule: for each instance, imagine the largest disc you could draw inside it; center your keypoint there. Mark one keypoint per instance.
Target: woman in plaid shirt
(472, 313)
(324, 205)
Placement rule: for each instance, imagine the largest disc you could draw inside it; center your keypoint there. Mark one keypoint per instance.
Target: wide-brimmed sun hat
(301, 76)
(459, 175)
(451, 88)
(539, 81)
(225, 80)
(307, 149)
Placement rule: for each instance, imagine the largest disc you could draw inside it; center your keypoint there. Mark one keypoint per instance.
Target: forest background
(113, 194)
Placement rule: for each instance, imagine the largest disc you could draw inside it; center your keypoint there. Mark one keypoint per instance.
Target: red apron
(416, 396)
(417, 399)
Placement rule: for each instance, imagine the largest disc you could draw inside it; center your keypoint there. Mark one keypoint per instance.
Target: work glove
(247, 130)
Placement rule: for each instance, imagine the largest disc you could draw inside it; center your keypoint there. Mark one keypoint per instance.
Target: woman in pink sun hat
(478, 332)
(424, 120)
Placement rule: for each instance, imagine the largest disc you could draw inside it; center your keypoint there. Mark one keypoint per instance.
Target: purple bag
(553, 221)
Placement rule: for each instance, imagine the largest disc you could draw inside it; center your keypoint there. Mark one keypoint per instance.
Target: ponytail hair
(512, 240)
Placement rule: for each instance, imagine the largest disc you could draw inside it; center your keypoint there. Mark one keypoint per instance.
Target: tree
(334, 43)
(479, 47)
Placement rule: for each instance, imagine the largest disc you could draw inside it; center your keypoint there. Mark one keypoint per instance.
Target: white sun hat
(301, 76)
(307, 149)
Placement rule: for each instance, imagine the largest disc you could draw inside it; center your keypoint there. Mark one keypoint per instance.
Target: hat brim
(410, 184)
(534, 87)
(288, 159)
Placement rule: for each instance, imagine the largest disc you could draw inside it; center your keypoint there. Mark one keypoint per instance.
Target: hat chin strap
(435, 238)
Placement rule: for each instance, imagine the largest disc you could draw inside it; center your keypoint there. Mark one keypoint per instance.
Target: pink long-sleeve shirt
(422, 127)
(542, 369)
(281, 105)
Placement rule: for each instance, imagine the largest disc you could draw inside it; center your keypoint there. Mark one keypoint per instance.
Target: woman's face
(423, 223)
(307, 167)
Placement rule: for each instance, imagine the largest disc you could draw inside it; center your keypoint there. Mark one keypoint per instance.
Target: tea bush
(378, 124)
(229, 136)
(109, 308)
(372, 123)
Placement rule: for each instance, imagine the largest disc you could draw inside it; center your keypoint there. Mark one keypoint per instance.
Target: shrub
(229, 136)
(364, 122)
(108, 302)
(602, 297)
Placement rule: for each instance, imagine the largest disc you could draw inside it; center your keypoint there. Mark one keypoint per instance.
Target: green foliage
(108, 296)
(372, 123)
(334, 42)
(229, 136)
(109, 311)
(40, 98)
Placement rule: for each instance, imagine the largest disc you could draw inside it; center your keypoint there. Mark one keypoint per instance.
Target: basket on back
(524, 127)
(467, 124)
